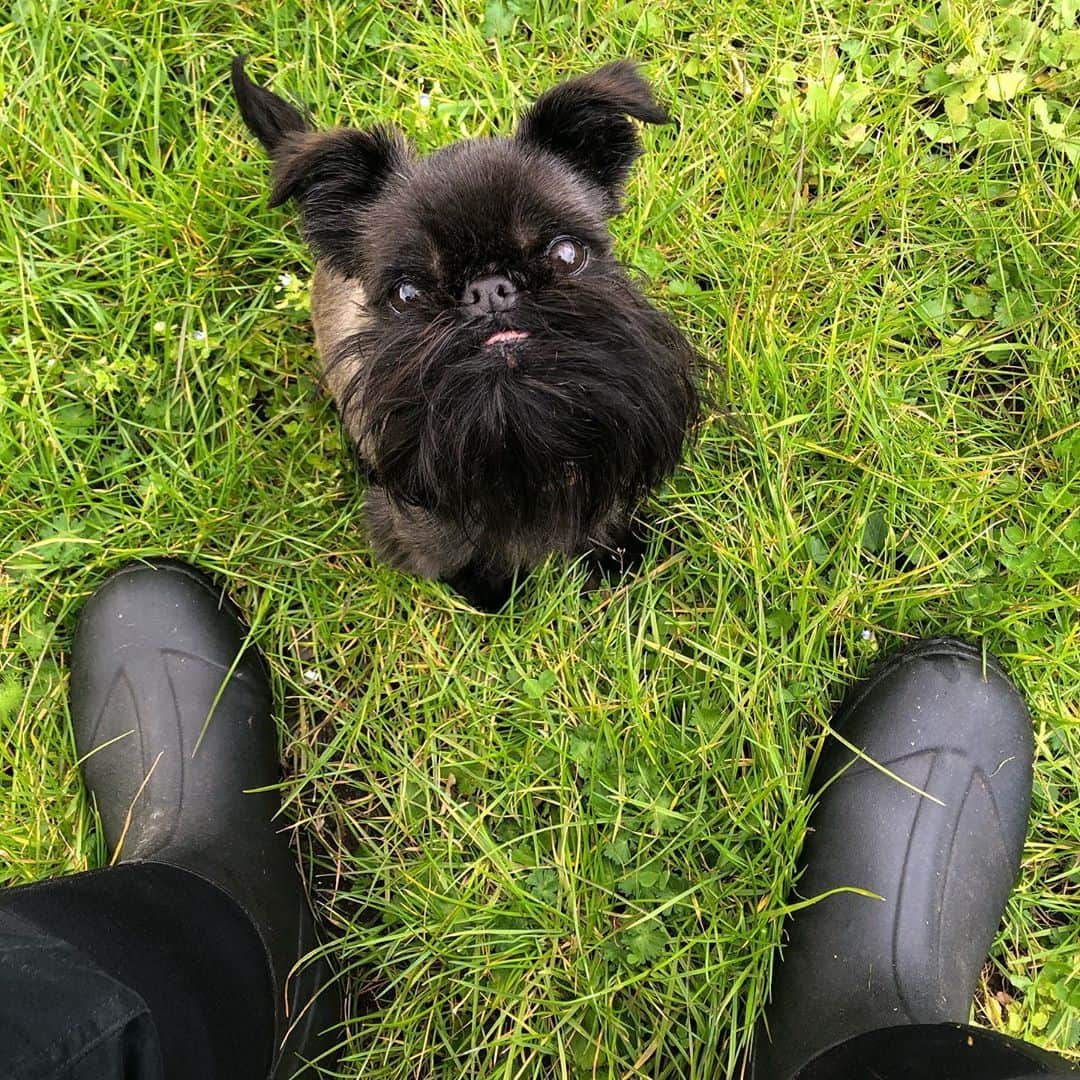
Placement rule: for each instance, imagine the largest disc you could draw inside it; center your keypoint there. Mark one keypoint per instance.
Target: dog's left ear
(584, 122)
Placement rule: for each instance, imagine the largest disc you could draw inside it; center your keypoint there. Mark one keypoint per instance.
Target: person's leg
(62, 1016)
(205, 915)
(930, 822)
(142, 963)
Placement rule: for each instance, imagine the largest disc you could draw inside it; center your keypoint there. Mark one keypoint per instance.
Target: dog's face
(512, 376)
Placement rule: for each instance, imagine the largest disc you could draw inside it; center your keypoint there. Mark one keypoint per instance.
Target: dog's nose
(489, 295)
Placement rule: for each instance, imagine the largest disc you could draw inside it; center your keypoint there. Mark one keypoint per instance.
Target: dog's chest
(337, 313)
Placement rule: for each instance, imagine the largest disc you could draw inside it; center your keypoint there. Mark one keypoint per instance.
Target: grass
(558, 841)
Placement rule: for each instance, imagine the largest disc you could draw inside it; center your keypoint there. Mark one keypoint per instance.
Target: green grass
(558, 842)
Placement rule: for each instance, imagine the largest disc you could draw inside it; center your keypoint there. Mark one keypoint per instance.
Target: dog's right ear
(267, 116)
(332, 175)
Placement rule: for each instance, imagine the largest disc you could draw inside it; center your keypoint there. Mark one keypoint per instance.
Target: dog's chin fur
(587, 413)
(486, 456)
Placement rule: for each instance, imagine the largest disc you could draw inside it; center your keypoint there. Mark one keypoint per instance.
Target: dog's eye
(403, 295)
(567, 255)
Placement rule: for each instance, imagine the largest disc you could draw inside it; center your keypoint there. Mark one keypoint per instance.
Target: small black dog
(510, 392)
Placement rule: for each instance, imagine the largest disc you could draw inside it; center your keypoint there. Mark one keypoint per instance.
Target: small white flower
(159, 326)
(425, 101)
(286, 280)
(199, 335)
(312, 676)
(868, 634)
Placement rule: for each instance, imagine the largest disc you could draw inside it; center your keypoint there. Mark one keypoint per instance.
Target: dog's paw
(486, 592)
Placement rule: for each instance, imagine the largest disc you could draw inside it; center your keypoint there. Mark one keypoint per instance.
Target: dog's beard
(546, 433)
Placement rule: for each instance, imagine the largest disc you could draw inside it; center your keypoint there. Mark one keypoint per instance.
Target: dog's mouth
(505, 337)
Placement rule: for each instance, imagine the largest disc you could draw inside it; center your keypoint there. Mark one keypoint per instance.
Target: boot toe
(166, 702)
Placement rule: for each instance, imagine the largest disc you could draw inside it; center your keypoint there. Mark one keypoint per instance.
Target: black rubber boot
(936, 1052)
(950, 723)
(173, 721)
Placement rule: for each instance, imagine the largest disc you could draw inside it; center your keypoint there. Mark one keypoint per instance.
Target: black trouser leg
(62, 1016)
(936, 1052)
(136, 972)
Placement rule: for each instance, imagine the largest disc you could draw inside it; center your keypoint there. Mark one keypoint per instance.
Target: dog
(509, 390)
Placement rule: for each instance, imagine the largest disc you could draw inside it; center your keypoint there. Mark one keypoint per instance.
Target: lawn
(558, 841)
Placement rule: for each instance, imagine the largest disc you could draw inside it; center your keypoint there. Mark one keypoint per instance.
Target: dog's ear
(332, 175)
(339, 168)
(584, 122)
(267, 116)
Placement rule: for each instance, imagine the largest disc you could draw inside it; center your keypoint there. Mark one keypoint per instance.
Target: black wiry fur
(483, 459)
(335, 176)
(558, 440)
